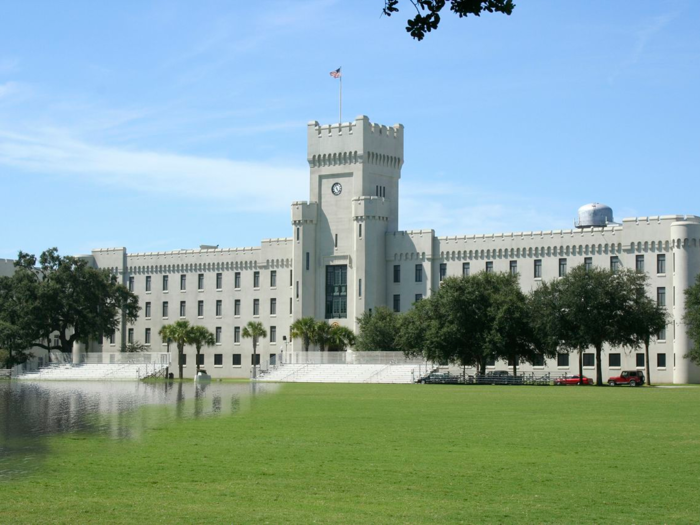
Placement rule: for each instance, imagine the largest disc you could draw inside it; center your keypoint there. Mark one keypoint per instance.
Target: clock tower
(339, 267)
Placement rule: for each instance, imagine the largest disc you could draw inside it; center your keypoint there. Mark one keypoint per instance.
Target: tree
(691, 319)
(377, 330)
(647, 319)
(304, 329)
(200, 336)
(428, 12)
(66, 297)
(591, 308)
(322, 335)
(178, 333)
(16, 328)
(134, 347)
(340, 338)
(254, 330)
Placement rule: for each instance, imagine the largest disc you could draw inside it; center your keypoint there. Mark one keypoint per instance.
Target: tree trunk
(598, 365)
(515, 367)
(646, 360)
(197, 358)
(580, 367)
(180, 353)
(255, 359)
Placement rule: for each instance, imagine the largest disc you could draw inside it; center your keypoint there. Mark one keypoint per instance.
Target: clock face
(336, 188)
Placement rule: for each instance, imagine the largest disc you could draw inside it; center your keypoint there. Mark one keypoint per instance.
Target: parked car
(499, 377)
(573, 380)
(628, 377)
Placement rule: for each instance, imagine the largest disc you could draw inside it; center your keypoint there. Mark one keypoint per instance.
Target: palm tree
(322, 335)
(254, 330)
(304, 329)
(340, 338)
(178, 333)
(200, 336)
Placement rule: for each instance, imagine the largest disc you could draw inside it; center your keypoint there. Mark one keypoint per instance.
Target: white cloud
(245, 186)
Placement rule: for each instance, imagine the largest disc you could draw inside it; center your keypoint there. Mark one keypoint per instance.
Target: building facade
(346, 256)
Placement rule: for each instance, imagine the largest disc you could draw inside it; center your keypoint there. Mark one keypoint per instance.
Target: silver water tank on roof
(594, 215)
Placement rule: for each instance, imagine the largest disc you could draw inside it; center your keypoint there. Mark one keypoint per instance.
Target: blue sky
(165, 125)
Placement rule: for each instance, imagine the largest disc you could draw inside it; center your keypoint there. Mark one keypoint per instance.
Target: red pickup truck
(628, 377)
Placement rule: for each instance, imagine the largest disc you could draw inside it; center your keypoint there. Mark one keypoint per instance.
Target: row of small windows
(219, 281)
(218, 308)
(614, 360)
(235, 361)
(615, 265)
(217, 335)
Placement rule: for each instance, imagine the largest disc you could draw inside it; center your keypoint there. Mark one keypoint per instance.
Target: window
(130, 336)
(419, 297)
(336, 291)
(562, 267)
(200, 308)
(397, 273)
(489, 266)
(640, 360)
(443, 271)
(490, 362)
(273, 334)
(236, 360)
(273, 306)
(308, 261)
(614, 263)
(291, 277)
(538, 269)
(298, 233)
(255, 359)
(359, 229)
(662, 334)
(538, 360)
(256, 306)
(147, 336)
(588, 359)
(661, 296)
(419, 273)
(183, 282)
(219, 281)
(359, 287)
(588, 263)
(217, 336)
(111, 339)
(218, 359)
(237, 334)
(465, 269)
(183, 359)
(297, 290)
(614, 360)
(131, 284)
(513, 267)
(256, 279)
(219, 307)
(148, 283)
(165, 308)
(563, 360)
(183, 308)
(335, 243)
(639, 263)
(273, 278)
(237, 280)
(290, 306)
(237, 307)
(397, 303)
(165, 283)
(200, 359)
(660, 360)
(200, 281)
(148, 310)
(661, 263)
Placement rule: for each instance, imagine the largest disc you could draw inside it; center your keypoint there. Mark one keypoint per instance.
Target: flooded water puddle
(31, 412)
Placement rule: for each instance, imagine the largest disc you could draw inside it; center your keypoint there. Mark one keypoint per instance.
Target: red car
(573, 380)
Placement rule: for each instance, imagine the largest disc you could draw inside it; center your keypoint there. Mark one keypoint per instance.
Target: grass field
(328, 453)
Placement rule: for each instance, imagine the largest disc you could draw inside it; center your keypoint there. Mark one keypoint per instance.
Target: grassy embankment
(386, 453)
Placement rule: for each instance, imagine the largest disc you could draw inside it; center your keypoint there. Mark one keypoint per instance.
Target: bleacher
(343, 373)
(93, 372)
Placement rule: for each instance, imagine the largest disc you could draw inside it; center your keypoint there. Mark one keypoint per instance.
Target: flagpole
(340, 105)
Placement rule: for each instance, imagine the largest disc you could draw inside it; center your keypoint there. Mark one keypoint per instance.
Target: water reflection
(29, 412)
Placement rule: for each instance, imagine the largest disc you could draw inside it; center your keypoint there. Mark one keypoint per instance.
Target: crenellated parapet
(370, 208)
(304, 212)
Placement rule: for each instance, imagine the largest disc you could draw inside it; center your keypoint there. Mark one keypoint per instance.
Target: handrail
(381, 370)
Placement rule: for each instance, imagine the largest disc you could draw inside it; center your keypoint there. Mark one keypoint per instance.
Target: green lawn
(386, 454)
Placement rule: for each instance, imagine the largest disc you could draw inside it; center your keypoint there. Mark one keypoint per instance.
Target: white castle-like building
(346, 255)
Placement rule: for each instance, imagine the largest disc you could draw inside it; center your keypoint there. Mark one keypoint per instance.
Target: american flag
(336, 73)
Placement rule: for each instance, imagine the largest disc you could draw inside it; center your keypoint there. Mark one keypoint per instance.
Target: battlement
(355, 143)
(304, 212)
(370, 206)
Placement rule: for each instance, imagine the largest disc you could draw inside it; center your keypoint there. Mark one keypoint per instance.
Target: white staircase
(94, 372)
(343, 373)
